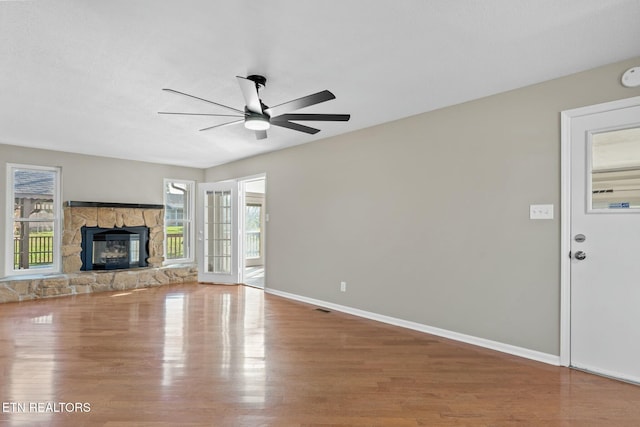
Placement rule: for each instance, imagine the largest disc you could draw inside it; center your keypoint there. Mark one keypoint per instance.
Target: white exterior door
(605, 241)
(218, 243)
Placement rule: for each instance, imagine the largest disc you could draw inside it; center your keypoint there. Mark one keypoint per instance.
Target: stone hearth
(73, 281)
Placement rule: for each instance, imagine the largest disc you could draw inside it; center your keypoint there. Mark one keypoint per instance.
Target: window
(615, 170)
(178, 220)
(33, 220)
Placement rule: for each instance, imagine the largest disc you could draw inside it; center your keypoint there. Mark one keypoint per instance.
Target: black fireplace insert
(114, 248)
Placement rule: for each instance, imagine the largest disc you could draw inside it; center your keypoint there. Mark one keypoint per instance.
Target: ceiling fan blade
(261, 134)
(313, 117)
(296, 104)
(223, 124)
(201, 114)
(249, 90)
(205, 100)
(296, 126)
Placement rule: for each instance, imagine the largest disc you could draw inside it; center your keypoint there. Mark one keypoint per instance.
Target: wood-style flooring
(205, 355)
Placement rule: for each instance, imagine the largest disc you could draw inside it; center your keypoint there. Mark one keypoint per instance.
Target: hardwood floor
(203, 355)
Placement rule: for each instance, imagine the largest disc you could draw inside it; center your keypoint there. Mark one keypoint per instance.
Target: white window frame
(188, 219)
(57, 222)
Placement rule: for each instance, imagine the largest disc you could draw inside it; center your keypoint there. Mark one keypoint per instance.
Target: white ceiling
(86, 76)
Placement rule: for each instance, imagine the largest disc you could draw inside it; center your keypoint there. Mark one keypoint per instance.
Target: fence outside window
(38, 251)
(175, 246)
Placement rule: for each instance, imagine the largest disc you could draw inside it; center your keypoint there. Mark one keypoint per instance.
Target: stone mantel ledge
(15, 289)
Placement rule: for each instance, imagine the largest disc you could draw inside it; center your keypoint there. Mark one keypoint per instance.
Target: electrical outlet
(343, 286)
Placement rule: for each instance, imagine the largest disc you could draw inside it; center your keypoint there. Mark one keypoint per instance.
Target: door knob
(580, 255)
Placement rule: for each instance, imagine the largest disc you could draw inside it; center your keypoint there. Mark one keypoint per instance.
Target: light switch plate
(540, 211)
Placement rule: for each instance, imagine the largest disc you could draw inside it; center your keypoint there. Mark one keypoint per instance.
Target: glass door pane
(218, 230)
(615, 170)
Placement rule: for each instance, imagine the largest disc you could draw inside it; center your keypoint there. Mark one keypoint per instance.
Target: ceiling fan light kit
(256, 122)
(259, 117)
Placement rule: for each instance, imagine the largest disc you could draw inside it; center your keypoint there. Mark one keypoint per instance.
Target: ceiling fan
(259, 117)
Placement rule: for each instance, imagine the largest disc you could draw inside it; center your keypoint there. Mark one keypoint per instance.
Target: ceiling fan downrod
(260, 81)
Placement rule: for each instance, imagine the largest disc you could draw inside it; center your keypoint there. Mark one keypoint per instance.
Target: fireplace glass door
(113, 254)
(114, 248)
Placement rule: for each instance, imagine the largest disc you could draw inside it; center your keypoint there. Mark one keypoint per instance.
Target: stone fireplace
(122, 220)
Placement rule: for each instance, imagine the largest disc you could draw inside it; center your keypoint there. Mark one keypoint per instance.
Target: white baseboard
(469, 339)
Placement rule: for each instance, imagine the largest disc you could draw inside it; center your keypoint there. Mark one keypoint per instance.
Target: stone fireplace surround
(73, 281)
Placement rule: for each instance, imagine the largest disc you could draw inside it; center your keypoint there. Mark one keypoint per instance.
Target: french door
(218, 228)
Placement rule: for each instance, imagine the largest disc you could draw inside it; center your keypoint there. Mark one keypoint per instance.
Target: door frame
(566, 118)
(241, 218)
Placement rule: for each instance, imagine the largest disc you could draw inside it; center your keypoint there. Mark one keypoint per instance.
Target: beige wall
(94, 179)
(426, 218)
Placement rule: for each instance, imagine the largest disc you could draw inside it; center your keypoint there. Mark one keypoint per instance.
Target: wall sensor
(631, 77)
